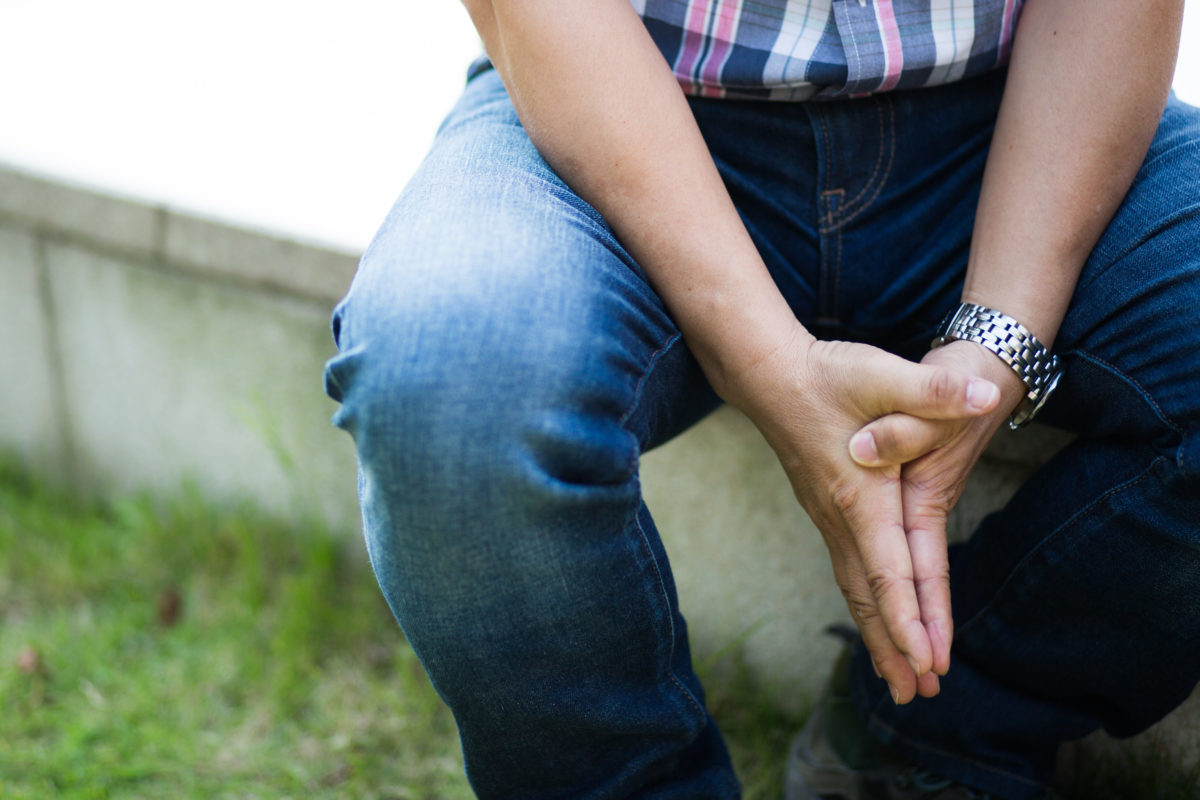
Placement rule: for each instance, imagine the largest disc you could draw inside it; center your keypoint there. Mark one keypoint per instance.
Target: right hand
(808, 398)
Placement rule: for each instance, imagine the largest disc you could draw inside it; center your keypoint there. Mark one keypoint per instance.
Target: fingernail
(895, 694)
(937, 685)
(981, 394)
(944, 633)
(912, 662)
(875, 667)
(862, 447)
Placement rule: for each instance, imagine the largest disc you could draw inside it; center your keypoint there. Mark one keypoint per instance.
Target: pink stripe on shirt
(722, 46)
(693, 39)
(1006, 31)
(893, 53)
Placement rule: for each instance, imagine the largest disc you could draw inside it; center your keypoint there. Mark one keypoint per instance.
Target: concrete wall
(140, 346)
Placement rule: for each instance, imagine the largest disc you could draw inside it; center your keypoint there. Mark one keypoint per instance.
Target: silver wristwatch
(1037, 368)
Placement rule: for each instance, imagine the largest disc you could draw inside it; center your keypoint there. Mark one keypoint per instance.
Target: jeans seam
(828, 156)
(829, 210)
(831, 213)
(641, 384)
(831, 240)
(837, 275)
(645, 542)
(845, 217)
(878, 159)
(662, 591)
(1054, 534)
(1158, 412)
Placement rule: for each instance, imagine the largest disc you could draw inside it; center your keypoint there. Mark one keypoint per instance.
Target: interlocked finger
(922, 390)
(899, 438)
(878, 580)
(890, 664)
(931, 581)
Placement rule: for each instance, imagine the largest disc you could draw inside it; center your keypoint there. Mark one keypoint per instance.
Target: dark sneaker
(811, 776)
(835, 758)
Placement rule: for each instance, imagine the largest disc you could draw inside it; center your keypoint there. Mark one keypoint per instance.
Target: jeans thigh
(502, 364)
(1133, 315)
(861, 209)
(1076, 605)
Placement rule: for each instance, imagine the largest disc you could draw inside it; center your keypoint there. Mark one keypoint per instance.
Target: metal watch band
(1036, 366)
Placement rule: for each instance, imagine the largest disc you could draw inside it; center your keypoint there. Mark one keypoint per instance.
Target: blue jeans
(503, 363)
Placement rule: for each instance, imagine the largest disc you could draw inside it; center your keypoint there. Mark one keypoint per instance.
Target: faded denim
(503, 363)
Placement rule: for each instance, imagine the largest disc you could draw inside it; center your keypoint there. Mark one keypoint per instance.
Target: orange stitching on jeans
(837, 275)
(828, 155)
(666, 599)
(886, 171)
(878, 159)
(829, 309)
(1162, 415)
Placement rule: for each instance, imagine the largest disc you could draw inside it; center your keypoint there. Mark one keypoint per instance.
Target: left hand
(937, 456)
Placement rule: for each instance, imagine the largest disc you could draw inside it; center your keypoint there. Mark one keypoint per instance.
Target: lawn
(171, 649)
(154, 648)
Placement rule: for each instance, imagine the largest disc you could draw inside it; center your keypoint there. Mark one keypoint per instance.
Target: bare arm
(1087, 85)
(1085, 90)
(601, 105)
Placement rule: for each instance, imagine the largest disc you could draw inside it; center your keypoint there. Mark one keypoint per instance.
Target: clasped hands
(877, 450)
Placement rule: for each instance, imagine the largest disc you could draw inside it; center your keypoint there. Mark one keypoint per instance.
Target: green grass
(281, 675)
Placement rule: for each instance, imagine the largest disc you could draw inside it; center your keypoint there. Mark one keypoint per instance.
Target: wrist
(744, 359)
(1013, 343)
(1038, 307)
(974, 359)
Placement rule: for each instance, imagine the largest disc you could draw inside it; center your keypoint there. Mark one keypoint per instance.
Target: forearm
(601, 105)
(1085, 90)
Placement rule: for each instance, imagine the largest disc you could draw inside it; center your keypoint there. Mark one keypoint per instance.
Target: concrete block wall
(140, 346)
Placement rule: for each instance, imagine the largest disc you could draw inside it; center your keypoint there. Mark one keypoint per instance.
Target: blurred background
(185, 607)
(303, 117)
(300, 117)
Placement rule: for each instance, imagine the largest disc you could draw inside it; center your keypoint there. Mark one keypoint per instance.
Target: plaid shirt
(799, 49)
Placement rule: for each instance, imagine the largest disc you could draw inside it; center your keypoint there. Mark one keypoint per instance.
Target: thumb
(889, 383)
(899, 438)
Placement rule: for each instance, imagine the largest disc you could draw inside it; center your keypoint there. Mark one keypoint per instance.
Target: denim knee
(487, 376)
(504, 522)
(467, 402)
(483, 448)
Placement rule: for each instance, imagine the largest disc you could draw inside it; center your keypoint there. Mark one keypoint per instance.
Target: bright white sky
(297, 116)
